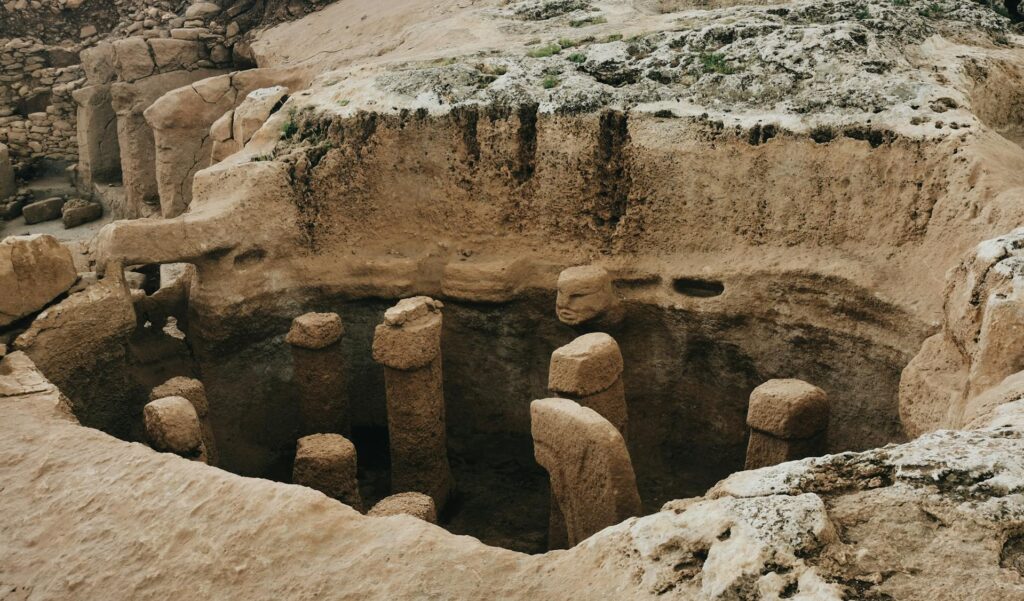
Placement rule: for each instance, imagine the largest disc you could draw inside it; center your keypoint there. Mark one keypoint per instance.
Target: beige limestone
(172, 426)
(787, 419)
(33, 271)
(589, 371)
(327, 462)
(318, 365)
(592, 478)
(586, 295)
(99, 151)
(193, 390)
(416, 504)
(408, 344)
(8, 186)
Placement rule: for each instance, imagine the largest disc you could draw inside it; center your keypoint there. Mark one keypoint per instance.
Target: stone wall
(40, 42)
(37, 113)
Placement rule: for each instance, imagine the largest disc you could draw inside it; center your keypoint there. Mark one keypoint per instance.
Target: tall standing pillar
(408, 344)
(194, 391)
(592, 479)
(319, 374)
(788, 420)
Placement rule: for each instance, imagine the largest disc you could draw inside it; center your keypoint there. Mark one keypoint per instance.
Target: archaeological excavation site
(517, 300)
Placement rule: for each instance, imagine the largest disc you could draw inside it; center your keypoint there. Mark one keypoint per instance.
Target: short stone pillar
(319, 373)
(194, 391)
(172, 426)
(408, 344)
(416, 504)
(588, 370)
(788, 420)
(592, 479)
(327, 462)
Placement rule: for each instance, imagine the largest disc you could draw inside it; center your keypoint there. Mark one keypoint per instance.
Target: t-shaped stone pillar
(327, 462)
(788, 420)
(408, 344)
(591, 474)
(195, 392)
(589, 371)
(319, 376)
(172, 426)
(416, 504)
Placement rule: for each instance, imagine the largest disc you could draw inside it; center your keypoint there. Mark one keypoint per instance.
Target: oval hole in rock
(698, 287)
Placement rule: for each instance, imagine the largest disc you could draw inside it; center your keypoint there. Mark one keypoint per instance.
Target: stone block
(417, 505)
(587, 365)
(327, 462)
(33, 271)
(788, 409)
(78, 211)
(315, 330)
(172, 426)
(43, 210)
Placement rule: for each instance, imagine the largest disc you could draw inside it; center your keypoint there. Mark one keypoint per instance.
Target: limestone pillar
(416, 504)
(99, 152)
(194, 391)
(408, 344)
(592, 479)
(327, 462)
(788, 420)
(172, 426)
(319, 372)
(588, 370)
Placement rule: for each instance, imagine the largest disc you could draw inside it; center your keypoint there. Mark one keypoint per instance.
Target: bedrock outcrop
(937, 518)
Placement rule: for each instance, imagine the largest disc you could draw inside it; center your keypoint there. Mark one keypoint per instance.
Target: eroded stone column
(589, 371)
(408, 344)
(327, 462)
(416, 504)
(194, 391)
(788, 420)
(592, 479)
(319, 372)
(172, 426)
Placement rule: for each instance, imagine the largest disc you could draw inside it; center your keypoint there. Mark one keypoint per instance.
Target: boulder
(33, 271)
(79, 211)
(200, 10)
(43, 210)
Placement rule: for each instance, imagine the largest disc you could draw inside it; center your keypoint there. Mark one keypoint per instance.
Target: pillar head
(327, 462)
(788, 409)
(315, 330)
(172, 425)
(190, 388)
(410, 337)
(416, 504)
(587, 365)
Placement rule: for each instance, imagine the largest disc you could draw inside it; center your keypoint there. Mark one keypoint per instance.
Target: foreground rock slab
(33, 271)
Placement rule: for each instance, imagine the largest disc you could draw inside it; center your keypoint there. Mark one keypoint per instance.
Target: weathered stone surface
(788, 408)
(81, 345)
(315, 330)
(587, 365)
(47, 209)
(98, 63)
(33, 271)
(7, 184)
(586, 295)
(195, 392)
(172, 426)
(78, 211)
(99, 153)
(254, 111)
(132, 59)
(410, 337)
(592, 478)
(418, 505)
(170, 54)
(327, 462)
(201, 9)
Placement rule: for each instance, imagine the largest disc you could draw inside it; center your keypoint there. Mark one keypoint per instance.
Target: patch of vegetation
(549, 82)
(615, 37)
(290, 127)
(862, 13)
(714, 62)
(567, 43)
(262, 158)
(544, 51)
(487, 69)
(588, 21)
(934, 10)
(343, 102)
(901, 2)
(577, 57)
